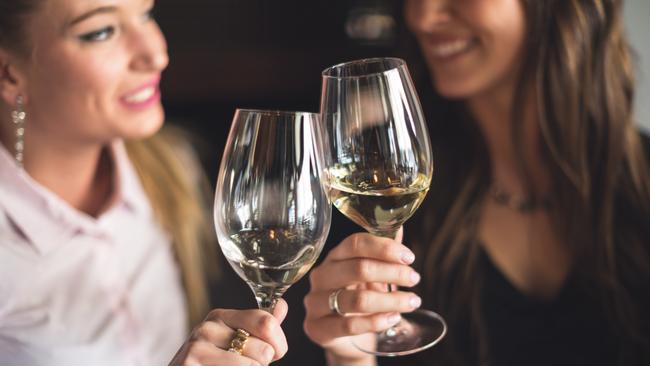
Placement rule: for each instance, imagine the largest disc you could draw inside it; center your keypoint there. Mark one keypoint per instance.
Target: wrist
(336, 360)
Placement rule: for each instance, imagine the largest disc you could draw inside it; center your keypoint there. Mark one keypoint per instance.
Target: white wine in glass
(271, 211)
(379, 168)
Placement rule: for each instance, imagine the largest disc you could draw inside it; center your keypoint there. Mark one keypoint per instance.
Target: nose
(150, 49)
(427, 15)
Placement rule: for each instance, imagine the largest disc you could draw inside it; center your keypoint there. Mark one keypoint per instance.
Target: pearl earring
(18, 116)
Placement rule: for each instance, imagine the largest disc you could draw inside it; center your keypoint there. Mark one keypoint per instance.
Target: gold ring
(239, 341)
(333, 301)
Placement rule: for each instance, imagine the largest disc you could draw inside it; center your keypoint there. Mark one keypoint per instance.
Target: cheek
(505, 53)
(501, 29)
(82, 87)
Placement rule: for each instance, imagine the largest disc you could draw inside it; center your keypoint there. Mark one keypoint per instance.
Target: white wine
(270, 259)
(379, 202)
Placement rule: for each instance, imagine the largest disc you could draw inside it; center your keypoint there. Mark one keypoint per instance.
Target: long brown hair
(579, 63)
(170, 176)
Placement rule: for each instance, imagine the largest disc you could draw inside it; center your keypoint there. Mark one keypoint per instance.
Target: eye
(98, 35)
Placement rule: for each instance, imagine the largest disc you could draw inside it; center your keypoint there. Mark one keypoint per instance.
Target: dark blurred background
(226, 54)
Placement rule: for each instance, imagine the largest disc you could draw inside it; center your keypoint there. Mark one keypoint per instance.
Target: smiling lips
(142, 97)
(447, 49)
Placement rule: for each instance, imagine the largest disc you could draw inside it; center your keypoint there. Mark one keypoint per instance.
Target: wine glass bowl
(379, 166)
(271, 212)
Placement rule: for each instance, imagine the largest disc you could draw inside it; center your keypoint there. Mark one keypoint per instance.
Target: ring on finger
(239, 341)
(333, 302)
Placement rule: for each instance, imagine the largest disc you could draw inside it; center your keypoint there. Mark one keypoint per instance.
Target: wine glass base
(416, 332)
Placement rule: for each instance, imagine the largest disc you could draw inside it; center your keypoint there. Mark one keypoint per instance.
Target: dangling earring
(18, 116)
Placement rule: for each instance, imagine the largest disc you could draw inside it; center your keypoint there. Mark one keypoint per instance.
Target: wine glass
(271, 211)
(378, 169)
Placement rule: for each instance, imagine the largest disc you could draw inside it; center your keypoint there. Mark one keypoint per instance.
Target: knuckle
(360, 301)
(405, 274)
(215, 314)
(349, 325)
(203, 331)
(356, 243)
(363, 269)
(266, 325)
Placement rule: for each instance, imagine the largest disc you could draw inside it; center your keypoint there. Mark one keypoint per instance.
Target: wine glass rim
(399, 63)
(275, 112)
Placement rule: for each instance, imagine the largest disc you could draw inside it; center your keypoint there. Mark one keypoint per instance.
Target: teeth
(141, 96)
(451, 48)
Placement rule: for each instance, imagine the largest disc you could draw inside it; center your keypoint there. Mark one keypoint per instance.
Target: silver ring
(333, 301)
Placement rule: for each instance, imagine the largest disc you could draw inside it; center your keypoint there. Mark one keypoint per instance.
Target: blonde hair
(178, 191)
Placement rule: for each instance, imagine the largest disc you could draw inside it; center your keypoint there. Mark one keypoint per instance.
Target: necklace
(519, 203)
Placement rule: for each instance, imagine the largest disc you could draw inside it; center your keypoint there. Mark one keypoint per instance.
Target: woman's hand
(361, 265)
(209, 341)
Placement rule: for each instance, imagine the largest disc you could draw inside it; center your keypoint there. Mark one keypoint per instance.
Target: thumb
(400, 234)
(281, 310)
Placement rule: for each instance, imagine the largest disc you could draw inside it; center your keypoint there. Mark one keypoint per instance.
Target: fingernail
(415, 277)
(415, 302)
(408, 257)
(394, 319)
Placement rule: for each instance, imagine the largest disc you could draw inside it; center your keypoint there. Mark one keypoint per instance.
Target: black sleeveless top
(572, 329)
(569, 330)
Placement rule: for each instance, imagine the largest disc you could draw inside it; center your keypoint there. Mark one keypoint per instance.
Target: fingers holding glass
(261, 326)
(234, 337)
(359, 301)
(364, 245)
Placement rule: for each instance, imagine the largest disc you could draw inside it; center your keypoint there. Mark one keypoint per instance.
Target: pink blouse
(78, 290)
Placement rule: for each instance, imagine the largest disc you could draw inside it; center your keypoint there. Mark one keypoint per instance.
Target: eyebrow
(95, 11)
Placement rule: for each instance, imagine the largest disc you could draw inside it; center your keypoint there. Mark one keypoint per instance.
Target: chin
(451, 91)
(145, 126)
(455, 89)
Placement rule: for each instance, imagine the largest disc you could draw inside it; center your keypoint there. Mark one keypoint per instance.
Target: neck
(519, 170)
(79, 175)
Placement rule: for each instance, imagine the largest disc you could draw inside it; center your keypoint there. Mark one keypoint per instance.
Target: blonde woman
(100, 240)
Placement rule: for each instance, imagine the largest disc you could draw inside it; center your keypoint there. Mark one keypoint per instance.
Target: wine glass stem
(392, 331)
(267, 297)
(266, 303)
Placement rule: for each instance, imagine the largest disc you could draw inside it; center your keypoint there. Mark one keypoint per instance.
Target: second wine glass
(271, 211)
(379, 167)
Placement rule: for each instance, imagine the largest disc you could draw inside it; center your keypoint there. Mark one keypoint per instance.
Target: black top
(572, 329)
(569, 330)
